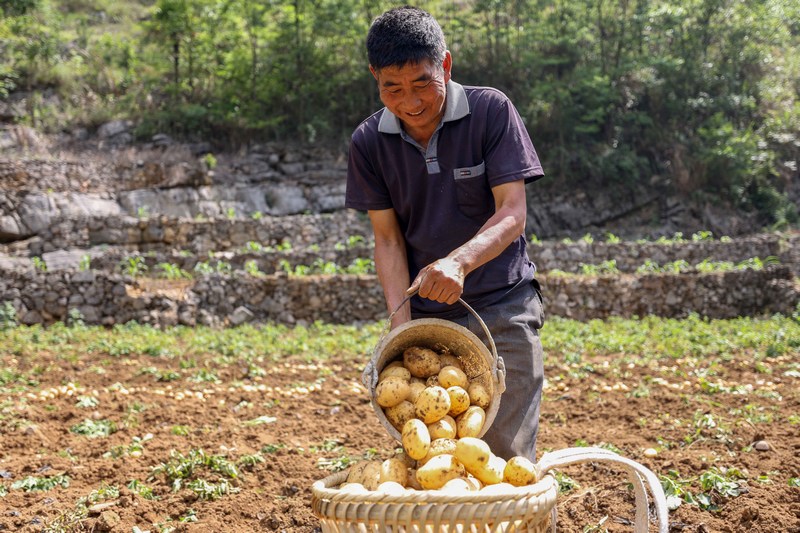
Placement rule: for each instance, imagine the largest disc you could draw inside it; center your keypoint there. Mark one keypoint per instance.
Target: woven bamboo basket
(480, 363)
(521, 510)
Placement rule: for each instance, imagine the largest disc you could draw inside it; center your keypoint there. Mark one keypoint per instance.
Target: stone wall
(324, 231)
(218, 300)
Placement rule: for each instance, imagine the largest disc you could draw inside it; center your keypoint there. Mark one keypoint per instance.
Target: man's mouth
(418, 113)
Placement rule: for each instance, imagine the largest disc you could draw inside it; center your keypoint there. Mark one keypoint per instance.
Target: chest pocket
(472, 190)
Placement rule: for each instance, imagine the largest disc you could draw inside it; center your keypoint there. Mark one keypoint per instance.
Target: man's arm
(391, 262)
(443, 280)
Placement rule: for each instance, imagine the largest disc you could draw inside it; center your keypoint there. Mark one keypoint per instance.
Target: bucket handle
(370, 376)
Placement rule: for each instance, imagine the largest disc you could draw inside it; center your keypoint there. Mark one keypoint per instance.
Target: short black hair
(405, 35)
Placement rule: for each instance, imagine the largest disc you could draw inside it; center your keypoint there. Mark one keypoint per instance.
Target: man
(441, 171)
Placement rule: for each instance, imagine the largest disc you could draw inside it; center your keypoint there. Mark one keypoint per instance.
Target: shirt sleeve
(365, 189)
(509, 151)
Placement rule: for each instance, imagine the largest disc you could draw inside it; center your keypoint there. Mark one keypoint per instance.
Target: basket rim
(322, 490)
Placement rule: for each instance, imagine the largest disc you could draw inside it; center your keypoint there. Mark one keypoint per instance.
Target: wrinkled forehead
(411, 69)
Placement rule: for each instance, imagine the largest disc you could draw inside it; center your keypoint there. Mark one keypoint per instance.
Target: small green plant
(256, 215)
(223, 267)
(596, 528)
(75, 318)
(134, 266)
(94, 429)
(211, 491)
(794, 481)
(284, 246)
(39, 264)
(230, 213)
(87, 402)
(141, 489)
(251, 460)
(8, 316)
(533, 239)
(172, 271)
(702, 236)
(337, 464)
(565, 483)
(612, 239)
(181, 468)
(254, 247)
(251, 267)
(361, 265)
(85, 263)
(587, 239)
(143, 212)
(272, 448)
(604, 268)
(203, 268)
(33, 483)
(210, 161)
(180, 431)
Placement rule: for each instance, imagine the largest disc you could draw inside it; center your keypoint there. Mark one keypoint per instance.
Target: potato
(416, 439)
(394, 371)
(412, 482)
(444, 428)
(492, 472)
(451, 376)
(432, 404)
(391, 391)
(499, 488)
(438, 471)
(372, 475)
(356, 472)
(439, 447)
(416, 387)
(478, 395)
(395, 363)
(399, 414)
(459, 400)
(519, 471)
(391, 487)
(474, 483)
(394, 470)
(473, 453)
(421, 362)
(457, 485)
(408, 461)
(470, 422)
(448, 359)
(432, 381)
(353, 488)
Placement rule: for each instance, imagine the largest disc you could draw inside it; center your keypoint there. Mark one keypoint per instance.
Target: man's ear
(447, 66)
(374, 72)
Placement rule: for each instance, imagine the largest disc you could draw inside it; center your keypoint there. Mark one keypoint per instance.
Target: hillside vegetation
(703, 92)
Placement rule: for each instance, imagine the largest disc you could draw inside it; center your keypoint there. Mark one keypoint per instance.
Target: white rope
(641, 477)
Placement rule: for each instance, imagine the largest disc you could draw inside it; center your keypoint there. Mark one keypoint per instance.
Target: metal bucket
(479, 363)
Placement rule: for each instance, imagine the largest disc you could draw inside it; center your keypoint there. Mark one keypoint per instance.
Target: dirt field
(98, 442)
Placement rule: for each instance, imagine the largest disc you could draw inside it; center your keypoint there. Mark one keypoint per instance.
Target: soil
(299, 414)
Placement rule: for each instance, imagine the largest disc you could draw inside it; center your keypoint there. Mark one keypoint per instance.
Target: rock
(108, 521)
(762, 446)
(114, 128)
(241, 315)
(10, 229)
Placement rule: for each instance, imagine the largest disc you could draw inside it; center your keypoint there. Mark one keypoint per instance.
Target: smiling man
(441, 171)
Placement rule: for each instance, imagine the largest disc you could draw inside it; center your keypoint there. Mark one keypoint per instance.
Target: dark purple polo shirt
(442, 194)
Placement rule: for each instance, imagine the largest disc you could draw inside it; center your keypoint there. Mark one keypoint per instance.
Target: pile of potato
(440, 414)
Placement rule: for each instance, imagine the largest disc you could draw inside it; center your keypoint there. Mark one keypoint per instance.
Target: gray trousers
(514, 323)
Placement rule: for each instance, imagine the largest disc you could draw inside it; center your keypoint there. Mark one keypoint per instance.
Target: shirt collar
(456, 107)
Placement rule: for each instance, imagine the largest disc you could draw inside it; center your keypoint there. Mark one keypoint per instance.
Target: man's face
(415, 92)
